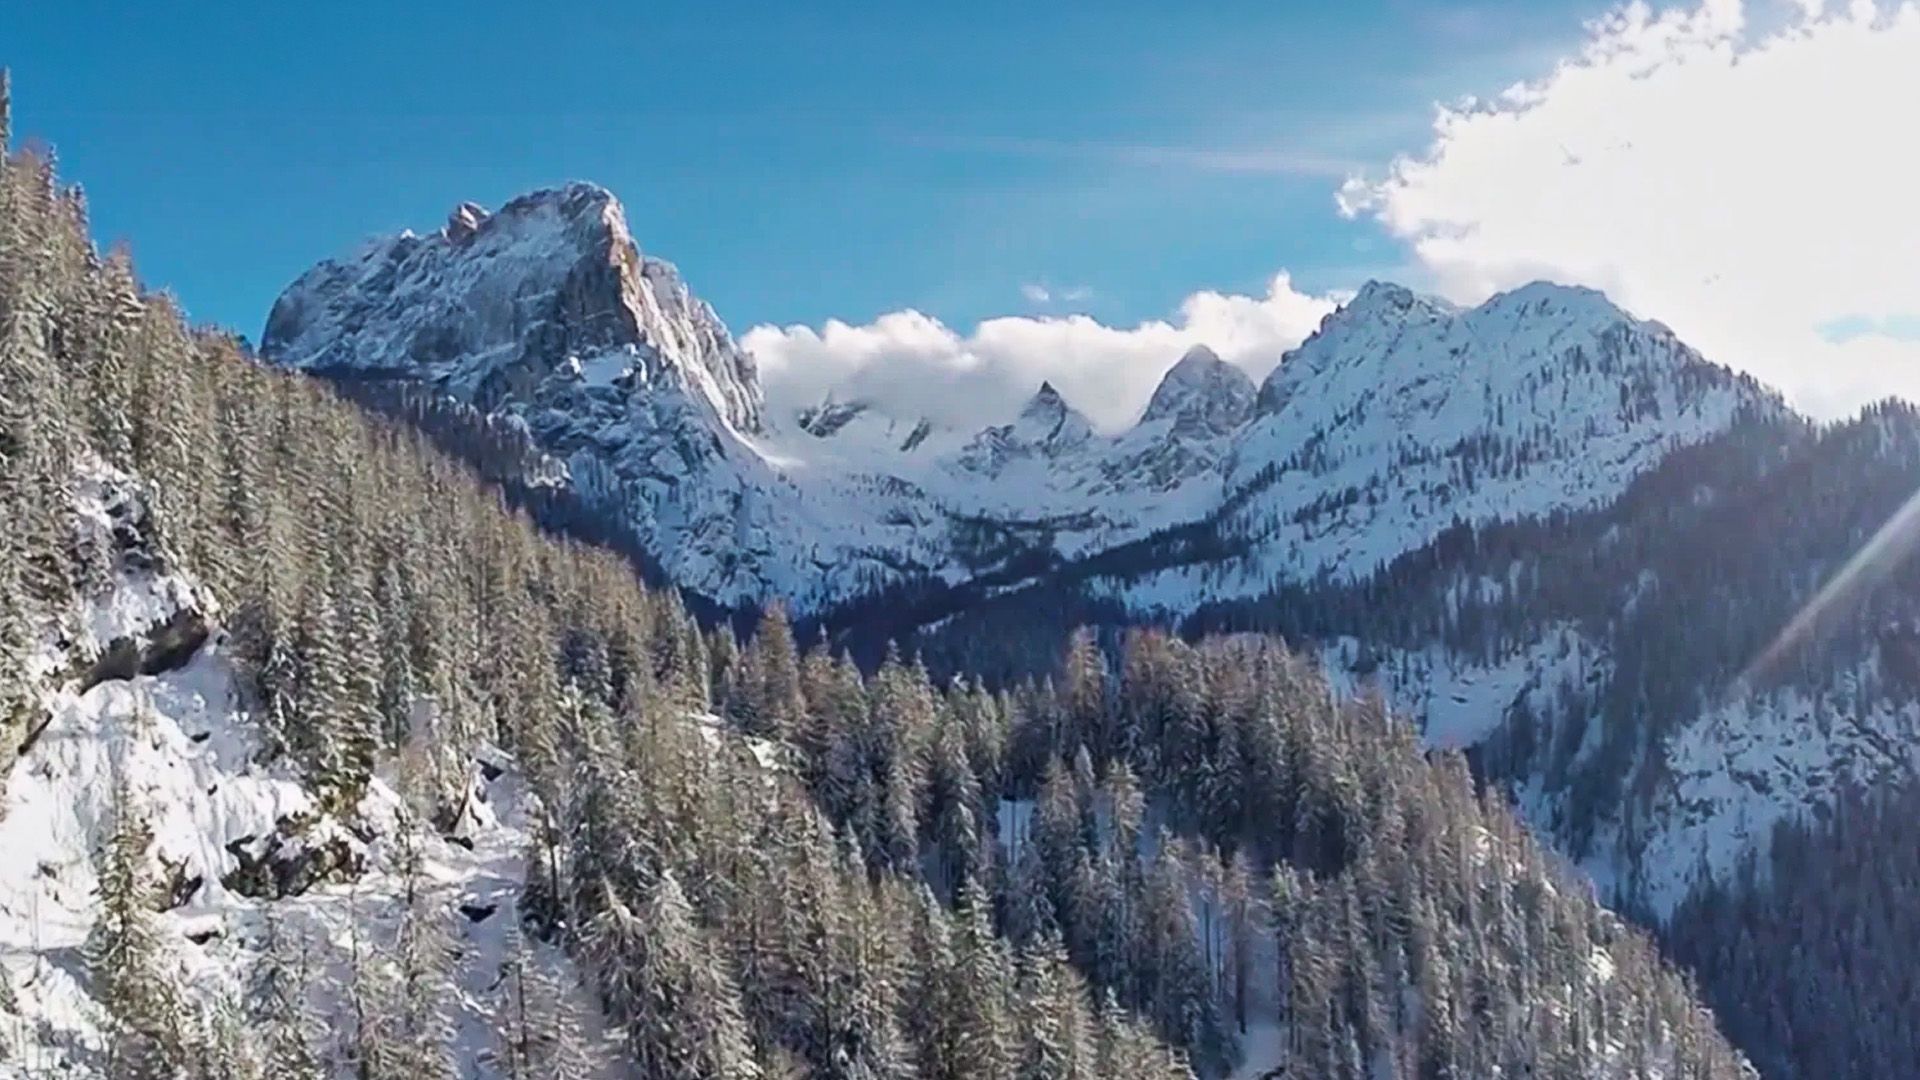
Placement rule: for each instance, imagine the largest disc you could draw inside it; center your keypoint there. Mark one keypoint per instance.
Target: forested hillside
(760, 862)
(1806, 952)
(1611, 658)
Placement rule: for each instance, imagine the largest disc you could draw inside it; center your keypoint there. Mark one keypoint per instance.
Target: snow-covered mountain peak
(492, 306)
(1403, 414)
(1046, 428)
(1199, 358)
(1047, 419)
(1388, 340)
(1045, 401)
(1386, 299)
(1548, 298)
(1202, 395)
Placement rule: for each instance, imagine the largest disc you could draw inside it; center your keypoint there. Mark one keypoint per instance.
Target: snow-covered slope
(230, 835)
(1403, 415)
(1400, 415)
(1714, 789)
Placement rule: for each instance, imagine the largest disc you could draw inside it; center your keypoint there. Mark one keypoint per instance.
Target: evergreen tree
(420, 1024)
(222, 1047)
(541, 1032)
(1056, 1038)
(126, 956)
(766, 698)
(679, 1011)
(980, 993)
(281, 1004)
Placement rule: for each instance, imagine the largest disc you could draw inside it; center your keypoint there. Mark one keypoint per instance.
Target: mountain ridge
(822, 505)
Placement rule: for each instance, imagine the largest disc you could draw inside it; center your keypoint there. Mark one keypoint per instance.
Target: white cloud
(1746, 176)
(1040, 294)
(913, 365)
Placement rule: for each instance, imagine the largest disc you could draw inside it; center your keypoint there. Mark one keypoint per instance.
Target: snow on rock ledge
(190, 760)
(235, 841)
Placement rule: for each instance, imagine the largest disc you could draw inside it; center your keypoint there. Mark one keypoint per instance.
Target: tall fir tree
(147, 1019)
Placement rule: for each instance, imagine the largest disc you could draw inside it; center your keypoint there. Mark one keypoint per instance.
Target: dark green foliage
(1809, 951)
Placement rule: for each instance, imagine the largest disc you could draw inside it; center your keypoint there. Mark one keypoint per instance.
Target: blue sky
(799, 162)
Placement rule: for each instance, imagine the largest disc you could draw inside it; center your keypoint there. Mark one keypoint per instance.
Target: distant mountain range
(1401, 415)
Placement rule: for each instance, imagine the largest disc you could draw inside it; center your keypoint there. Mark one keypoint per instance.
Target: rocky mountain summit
(500, 308)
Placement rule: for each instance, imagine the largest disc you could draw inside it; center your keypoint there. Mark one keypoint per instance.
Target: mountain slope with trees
(758, 861)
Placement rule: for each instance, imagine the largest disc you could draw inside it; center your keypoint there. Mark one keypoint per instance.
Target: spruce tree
(222, 1047)
(1055, 1039)
(126, 955)
(766, 698)
(424, 969)
(280, 1003)
(541, 1034)
(980, 993)
(677, 1008)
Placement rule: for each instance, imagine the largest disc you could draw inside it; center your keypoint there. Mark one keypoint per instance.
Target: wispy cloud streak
(1250, 159)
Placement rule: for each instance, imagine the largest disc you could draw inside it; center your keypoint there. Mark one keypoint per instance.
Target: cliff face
(497, 308)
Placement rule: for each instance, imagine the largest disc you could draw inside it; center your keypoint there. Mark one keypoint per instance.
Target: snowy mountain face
(516, 306)
(1400, 415)
(1403, 415)
(1598, 665)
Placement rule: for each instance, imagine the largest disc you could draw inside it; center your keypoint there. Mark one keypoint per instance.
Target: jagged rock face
(463, 222)
(829, 416)
(1202, 395)
(287, 862)
(1046, 428)
(496, 306)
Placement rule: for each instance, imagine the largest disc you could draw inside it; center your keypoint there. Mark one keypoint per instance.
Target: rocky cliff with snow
(138, 692)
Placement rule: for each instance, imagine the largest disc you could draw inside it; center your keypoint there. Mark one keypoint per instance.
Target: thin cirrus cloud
(913, 365)
(1277, 159)
(1040, 294)
(1743, 173)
